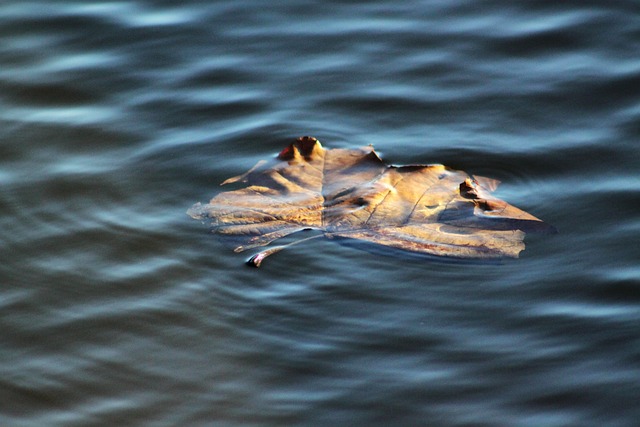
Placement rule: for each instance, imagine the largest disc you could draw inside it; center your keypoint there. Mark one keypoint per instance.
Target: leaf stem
(257, 259)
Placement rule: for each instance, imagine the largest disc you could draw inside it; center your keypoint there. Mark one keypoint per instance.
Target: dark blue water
(118, 309)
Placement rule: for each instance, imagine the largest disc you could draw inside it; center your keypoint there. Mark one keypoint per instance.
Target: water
(118, 309)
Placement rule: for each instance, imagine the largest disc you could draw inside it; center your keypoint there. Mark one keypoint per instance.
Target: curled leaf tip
(256, 260)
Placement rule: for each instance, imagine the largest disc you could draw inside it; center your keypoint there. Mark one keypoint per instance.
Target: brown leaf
(352, 193)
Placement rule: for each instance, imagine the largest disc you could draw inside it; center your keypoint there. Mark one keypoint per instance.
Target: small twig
(257, 259)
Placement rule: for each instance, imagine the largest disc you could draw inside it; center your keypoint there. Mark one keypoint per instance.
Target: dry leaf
(352, 193)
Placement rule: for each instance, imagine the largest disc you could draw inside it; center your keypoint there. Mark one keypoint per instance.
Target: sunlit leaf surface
(352, 193)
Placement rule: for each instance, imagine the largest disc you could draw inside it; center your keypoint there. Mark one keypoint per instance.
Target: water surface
(118, 309)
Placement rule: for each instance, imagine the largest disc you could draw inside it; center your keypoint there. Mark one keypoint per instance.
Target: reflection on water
(117, 308)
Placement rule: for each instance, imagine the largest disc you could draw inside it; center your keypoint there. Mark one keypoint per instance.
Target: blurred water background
(118, 309)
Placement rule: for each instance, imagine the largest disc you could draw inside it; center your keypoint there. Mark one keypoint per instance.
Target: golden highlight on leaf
(352, 193)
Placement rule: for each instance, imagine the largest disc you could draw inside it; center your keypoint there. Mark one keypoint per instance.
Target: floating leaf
(352, 193)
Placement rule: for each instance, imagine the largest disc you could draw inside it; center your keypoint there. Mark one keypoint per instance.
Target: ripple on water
(118, 116)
